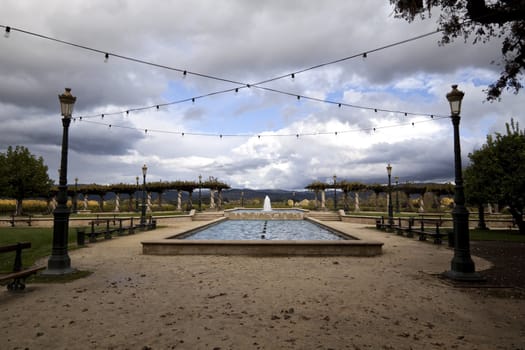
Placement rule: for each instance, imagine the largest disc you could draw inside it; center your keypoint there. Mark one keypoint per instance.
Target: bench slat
(22, 273)
(14, 247)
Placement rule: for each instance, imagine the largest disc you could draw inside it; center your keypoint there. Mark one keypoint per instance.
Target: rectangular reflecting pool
(183, 243)
(266, 230)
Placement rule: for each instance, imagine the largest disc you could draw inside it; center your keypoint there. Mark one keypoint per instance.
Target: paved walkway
(133, 301)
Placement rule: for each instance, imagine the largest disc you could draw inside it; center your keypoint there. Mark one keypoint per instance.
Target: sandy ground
(133, 301)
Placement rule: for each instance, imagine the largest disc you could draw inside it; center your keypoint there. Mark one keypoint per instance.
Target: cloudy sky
(269, 139)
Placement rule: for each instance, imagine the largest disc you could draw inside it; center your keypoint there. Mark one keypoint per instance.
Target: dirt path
(133, 301)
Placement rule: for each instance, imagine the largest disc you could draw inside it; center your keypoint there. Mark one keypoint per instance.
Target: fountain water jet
(267, 204)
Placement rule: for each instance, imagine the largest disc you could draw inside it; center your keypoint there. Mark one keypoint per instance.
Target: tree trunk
(18, 207)
(481, 217)
(517, 215)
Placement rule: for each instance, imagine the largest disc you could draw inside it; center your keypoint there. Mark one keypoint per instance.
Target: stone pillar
(219, 200)
(212, 199)
(323, 199)
(53, 204)
(117, 202)
(356, 204)
(179, 200)
(421, 205)
(148, 203)
(86, 207)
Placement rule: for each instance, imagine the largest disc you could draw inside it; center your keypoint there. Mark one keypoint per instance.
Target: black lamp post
(137, 195)
(390, 207)
(59, 262)
(461, 267)
(397, 193)
(75, 196)
(143, 213)
(335, 193)
(200, 188)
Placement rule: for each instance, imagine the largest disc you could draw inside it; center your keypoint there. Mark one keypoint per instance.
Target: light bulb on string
(184, 74)
(7, 32)
(106, 58)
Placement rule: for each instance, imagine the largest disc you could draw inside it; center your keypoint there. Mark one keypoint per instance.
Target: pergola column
(212, 199)
(179, 200)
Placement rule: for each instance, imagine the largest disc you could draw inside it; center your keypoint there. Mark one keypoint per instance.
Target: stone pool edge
(359, 247)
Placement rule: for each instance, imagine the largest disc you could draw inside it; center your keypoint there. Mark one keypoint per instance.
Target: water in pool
(262, 229)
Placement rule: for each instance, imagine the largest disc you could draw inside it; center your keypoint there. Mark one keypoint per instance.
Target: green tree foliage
(497, 172)
(483, 20)
(22, 175)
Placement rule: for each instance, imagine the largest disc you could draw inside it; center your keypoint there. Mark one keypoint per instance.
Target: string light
(221, 135)
(185, 72)
(106, 57)
(7, 32)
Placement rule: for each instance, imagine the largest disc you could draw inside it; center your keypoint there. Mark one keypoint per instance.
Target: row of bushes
(42, 207)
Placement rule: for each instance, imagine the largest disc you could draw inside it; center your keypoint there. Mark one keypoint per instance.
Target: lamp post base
(464, 276)
(58, 265)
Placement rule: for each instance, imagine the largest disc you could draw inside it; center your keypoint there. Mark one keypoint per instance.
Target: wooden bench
(106, 230)
(383, 224)
(13, 220)
(423, 232)
(409, 230)
(19, 274)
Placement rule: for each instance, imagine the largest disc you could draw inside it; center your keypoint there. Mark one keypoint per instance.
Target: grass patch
(496, 235)
(41, 243)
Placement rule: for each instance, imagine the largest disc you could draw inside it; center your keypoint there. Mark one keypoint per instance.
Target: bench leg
(422, 237)
(17, 284)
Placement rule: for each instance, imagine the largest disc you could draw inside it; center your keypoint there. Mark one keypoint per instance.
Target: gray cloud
(246, 41)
